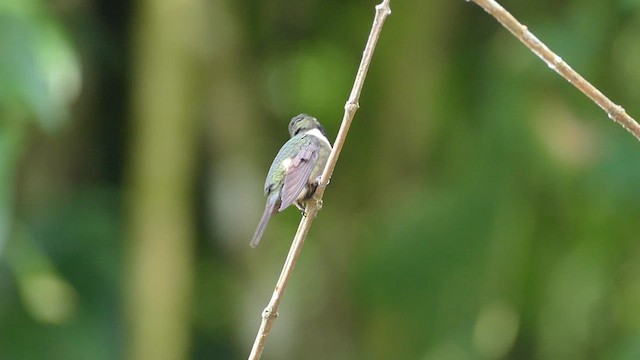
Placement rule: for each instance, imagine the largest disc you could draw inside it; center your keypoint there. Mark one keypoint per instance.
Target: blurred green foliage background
(482, 208)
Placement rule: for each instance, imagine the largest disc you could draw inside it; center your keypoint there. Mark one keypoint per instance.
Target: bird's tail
(269, 209)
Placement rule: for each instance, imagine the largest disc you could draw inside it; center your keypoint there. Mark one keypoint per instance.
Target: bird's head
(302, 123)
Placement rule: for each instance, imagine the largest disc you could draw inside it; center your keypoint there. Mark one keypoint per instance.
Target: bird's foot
(301, 207)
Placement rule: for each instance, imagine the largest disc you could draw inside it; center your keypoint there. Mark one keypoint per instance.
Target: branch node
(351, 106)
(269, 314)
(318, 203)
(616, 112)
(383, 8)
(322, 185)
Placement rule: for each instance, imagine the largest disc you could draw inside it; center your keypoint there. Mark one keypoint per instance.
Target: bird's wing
(297, 175)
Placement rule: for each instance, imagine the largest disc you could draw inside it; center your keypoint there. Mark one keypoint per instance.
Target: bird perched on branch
(294, 174)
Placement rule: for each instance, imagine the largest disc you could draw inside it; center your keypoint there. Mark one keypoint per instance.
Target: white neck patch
(317, 133)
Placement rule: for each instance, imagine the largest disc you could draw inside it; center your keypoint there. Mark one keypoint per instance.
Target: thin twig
(555, 62)
(270, 313)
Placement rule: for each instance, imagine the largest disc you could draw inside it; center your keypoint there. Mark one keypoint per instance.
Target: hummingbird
(295, 172)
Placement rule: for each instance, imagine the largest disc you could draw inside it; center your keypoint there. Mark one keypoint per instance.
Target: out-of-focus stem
(555, 62)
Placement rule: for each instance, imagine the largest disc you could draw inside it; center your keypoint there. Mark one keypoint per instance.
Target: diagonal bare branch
(270, 313)
(555, 62)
